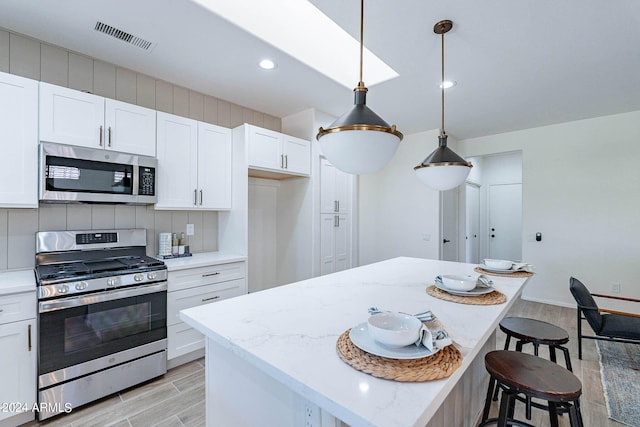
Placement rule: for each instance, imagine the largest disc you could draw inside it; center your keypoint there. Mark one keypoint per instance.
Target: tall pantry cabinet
(336, 193)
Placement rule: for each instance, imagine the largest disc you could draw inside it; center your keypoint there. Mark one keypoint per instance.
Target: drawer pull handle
(211, 274)
(210, 299)
(29, 334)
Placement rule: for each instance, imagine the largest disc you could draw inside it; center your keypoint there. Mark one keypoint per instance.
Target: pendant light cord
(442, 131)
(361, 39)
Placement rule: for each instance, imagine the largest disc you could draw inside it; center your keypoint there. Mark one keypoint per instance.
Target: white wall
(396, 209)
(581, 190)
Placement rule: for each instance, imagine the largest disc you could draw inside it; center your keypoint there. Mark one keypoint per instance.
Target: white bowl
(498, 263)
(458, 283)
(394, 329)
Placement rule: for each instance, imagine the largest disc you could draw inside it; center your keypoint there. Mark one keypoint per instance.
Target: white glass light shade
(359, 151)
(443, 177)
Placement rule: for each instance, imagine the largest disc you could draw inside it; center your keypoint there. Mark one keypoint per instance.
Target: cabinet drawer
(17, 307)
(192, 297)
(183, 339)
(193, 277)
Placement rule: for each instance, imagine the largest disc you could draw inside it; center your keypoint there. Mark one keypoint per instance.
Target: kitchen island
(271, 356)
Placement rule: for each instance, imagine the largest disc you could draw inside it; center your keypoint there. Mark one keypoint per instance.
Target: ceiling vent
(124, 36)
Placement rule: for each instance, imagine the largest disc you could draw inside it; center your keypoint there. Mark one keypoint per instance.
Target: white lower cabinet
(335, 242)
(193, 287)
(17, 358)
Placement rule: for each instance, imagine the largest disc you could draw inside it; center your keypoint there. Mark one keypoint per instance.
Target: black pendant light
(443, 169)
(359, 141)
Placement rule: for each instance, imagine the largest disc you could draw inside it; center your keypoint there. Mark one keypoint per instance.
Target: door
(449, 225)
(177, 162)
(472, 225)
(297, 155)
(505, 221)
(71, 117)
(19, 144)
(130, 128)
(214, 167)
(327, 243)
(342, 239)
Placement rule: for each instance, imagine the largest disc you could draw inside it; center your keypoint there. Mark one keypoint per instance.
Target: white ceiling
(518, 64)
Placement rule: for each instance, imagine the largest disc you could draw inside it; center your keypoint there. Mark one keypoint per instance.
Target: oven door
(80, 329)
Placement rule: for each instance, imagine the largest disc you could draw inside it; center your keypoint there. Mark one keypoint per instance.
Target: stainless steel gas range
(102, 315)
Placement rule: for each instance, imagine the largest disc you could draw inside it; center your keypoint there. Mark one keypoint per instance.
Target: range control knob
(63, 289)
(81, 286)
(152, 275)
(138, 277)
(111, 282)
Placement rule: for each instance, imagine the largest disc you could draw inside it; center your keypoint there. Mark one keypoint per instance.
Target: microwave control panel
(147, 182)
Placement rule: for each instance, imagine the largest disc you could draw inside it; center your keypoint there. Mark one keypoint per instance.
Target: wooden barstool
(537, 333)
(522, 376)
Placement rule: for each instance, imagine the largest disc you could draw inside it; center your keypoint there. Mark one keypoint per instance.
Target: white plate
(496, 270)
(478, 290)
(360, 337)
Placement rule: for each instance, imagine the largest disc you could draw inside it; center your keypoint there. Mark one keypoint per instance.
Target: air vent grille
(123, 35)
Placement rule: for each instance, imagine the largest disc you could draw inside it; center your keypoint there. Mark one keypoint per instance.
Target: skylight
(301, 30)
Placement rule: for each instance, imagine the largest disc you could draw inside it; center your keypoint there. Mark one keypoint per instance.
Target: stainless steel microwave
(78, 174)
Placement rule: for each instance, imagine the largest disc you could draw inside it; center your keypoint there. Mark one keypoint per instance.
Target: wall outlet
(190, 229)
(615, 288)
(311, 415)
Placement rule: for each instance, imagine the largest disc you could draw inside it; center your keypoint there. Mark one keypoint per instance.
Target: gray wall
(36, 60)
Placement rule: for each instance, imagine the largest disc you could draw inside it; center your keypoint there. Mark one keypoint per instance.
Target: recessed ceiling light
(448, 84)
(267, 64)
(301, 30)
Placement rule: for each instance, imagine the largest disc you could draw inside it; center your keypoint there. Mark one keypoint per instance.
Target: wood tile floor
(177, 398)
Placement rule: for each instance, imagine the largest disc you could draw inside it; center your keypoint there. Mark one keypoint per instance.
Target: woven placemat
(495, 297)
(514, 274)
(440, 365)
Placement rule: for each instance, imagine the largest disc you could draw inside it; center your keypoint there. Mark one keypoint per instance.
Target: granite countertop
(13, 282)
(202, 260)
(290, 333)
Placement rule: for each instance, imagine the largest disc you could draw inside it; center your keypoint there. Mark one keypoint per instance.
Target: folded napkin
(433, 340)
(523, 266)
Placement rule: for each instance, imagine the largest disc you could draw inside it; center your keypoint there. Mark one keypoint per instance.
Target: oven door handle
(63, 303)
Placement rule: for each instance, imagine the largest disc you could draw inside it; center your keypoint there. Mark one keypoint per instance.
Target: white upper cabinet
(130, 128)
(274, 151)
(19, 142)
(194, 164)
(336, 189)
(72, 117)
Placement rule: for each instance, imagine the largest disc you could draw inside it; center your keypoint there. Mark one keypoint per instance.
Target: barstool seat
(518, 373)
(537, 333)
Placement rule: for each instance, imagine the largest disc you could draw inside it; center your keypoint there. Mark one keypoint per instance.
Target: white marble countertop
(202, 260)
(13, 282)
(290, 333)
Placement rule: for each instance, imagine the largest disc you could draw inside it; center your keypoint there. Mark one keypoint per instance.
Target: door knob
(493, 235)
(445, 240)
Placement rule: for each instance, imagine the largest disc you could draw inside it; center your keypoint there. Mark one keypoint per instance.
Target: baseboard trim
(185, 358)
(551, 302)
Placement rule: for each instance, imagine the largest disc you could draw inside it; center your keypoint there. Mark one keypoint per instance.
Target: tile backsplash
(18, 227)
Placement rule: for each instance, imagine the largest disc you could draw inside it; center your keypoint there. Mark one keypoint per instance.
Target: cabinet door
(71, 117)
(328, 199)
(327, 243)
(19, 142)
(343, 191)
(214, 167)
(264, 148)
(342, 242)
(130, 128)
(177, 162)
(297, 155)
(18, 364)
